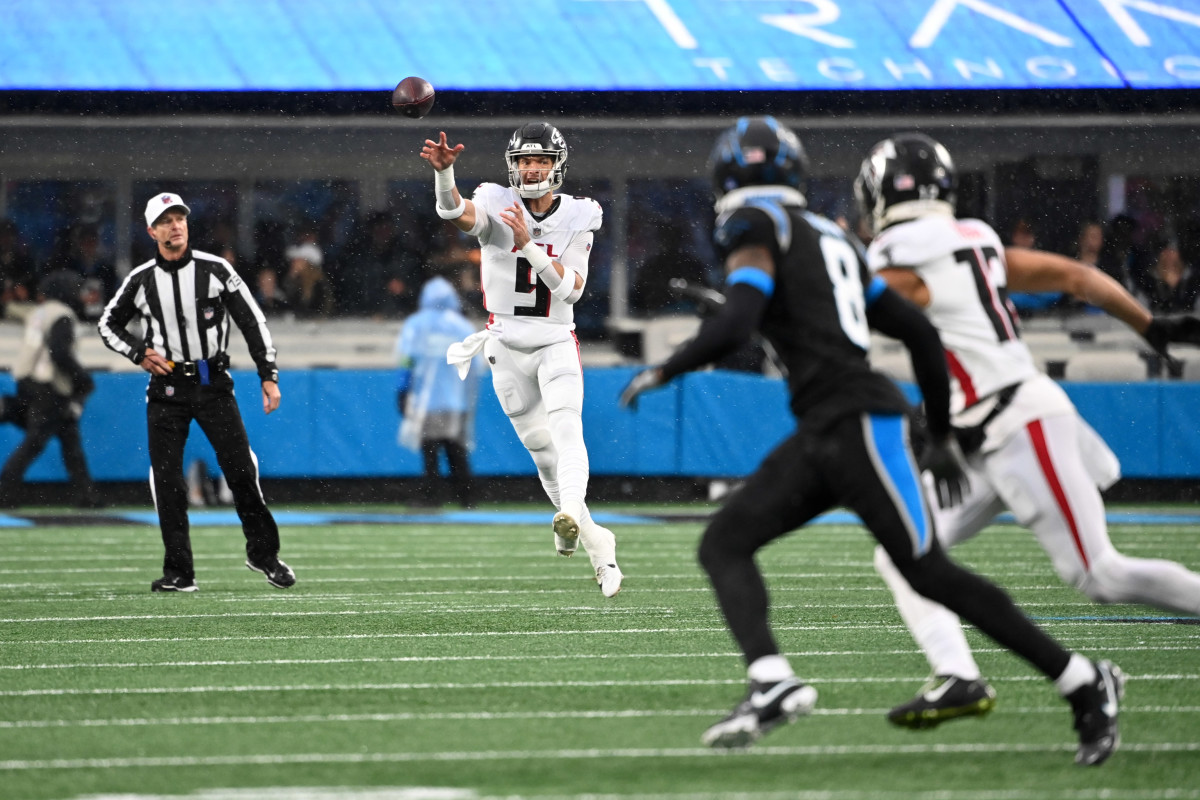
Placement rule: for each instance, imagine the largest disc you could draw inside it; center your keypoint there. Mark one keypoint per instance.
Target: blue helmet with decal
(757, 151)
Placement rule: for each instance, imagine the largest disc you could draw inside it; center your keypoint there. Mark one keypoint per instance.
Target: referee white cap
(161, 204)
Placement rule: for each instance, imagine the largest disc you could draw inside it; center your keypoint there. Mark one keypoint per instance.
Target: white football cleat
(566, 533)
(609, 577)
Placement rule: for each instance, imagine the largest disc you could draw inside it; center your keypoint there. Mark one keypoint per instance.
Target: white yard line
(560, 755)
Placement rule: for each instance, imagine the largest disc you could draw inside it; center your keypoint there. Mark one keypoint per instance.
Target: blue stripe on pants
(888, 433)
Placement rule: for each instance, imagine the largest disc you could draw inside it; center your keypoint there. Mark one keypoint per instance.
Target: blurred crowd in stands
(341, 263)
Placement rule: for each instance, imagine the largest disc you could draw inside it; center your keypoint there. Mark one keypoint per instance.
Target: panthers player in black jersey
(797, 279)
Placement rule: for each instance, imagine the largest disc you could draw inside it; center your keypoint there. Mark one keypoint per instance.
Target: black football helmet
(905, 177)
(536, 139)
(757, 151)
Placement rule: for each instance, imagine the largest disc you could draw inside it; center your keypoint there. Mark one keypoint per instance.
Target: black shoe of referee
(277, 573)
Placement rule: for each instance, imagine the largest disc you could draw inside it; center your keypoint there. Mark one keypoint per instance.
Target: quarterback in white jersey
(1026, 447)
(535, 249)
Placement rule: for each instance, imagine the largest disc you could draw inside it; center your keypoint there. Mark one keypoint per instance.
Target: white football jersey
(962, 264)
(522, 311)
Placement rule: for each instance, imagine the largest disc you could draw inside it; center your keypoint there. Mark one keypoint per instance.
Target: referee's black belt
(201, 369)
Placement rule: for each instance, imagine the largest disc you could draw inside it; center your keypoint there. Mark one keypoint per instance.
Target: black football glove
(942, 460)
(644, 380)
(401, 400)
(1178, 328)
(708, 301)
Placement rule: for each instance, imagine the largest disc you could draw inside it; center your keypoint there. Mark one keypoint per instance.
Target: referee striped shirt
(185, 307)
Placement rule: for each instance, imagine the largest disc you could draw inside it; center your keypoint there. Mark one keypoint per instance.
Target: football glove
(942, 461)
(1179, 328)
(644, 380)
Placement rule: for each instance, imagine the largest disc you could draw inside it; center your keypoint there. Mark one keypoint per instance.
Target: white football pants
(541, 392)
(1046, 476)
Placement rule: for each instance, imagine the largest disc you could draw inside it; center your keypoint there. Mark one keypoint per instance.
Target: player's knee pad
(536, 439)
(1105, 580)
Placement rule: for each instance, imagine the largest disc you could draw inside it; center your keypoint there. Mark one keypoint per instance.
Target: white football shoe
(609, 576)
(566, 532)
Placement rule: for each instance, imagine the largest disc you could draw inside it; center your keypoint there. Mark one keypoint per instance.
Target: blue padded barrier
(343, 424)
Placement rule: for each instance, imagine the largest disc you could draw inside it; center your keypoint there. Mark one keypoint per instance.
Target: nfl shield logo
(170, 391)
(208, 313)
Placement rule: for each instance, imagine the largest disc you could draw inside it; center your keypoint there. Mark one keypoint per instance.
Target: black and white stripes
(185, 307)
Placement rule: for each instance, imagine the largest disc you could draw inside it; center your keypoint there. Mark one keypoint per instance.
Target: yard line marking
(277, 662)
(483, 716)
(426, 686)
(857, 626)
(560, 755)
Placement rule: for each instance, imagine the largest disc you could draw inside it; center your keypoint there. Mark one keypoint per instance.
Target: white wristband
(453, 213)
(443, 189)
(538, 259)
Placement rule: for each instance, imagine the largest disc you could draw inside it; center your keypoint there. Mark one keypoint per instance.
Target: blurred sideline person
(1026, 447)
(184, 300)
(437, 409)
(535, 249)
(795, 277)
(52, 387)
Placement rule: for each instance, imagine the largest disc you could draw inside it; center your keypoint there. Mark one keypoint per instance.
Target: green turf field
(461, 661)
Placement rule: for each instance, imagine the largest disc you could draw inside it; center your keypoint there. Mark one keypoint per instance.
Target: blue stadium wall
(343, 424)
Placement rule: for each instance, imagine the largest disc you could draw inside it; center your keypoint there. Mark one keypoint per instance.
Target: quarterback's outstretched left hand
(643, 381)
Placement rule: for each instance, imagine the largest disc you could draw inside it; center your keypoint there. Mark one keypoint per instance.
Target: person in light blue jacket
(437, 408)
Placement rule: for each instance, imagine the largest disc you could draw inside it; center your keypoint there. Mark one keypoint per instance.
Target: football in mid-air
(413, 97)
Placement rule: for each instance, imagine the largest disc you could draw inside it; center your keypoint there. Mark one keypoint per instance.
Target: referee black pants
(172, 404)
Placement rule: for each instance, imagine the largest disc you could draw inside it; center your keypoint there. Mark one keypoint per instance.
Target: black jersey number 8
(527, 282)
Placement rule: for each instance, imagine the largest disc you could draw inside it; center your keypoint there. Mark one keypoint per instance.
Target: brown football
(413, 97)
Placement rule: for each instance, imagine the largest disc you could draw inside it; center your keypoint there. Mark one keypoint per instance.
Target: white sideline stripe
(463, 634)
(376, 687)
(465, 659)
(483, 716)
(561, 755)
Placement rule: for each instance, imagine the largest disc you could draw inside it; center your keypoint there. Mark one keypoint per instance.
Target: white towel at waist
(460, 354)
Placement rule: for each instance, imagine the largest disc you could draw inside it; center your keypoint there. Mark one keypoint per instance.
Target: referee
(185, 299)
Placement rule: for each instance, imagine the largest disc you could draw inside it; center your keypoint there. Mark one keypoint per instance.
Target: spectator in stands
(269, 294)
(1118, 254)
(1022, 234)
(305, 287)
(380, 277)
(1089, 243)
(98, 273)
(16, 266)
(270, 244)
(437, 408)
(1172, 284)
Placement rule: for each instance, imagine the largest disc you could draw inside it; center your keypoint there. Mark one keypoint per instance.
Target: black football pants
(172, 405)
(858, 463)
